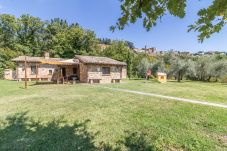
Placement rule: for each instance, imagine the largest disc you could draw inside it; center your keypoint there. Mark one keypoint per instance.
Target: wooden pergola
(59, 65)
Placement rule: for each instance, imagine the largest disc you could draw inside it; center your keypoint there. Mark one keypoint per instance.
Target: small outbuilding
(162, 77)
(8, 74)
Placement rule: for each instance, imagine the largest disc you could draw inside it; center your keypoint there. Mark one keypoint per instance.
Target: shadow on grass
(136, 142)
(43, 83)
(20, 133)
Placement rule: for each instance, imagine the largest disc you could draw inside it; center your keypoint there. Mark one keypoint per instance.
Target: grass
(204, 91)
(85, 117)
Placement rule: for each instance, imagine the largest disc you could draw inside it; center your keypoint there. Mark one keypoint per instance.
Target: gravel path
(170, 97)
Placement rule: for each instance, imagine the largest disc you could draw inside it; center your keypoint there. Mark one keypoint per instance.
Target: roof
(99, 60)
(55, 61)
(78, 58)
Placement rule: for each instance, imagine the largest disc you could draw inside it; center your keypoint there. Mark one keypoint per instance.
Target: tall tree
(117, 50)
(129, 62)
(143, 67)
(204, 67)
(8, 28)
(75, 40)
(30, 33)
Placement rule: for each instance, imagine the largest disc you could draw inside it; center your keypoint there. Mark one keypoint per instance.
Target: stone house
(86, 69)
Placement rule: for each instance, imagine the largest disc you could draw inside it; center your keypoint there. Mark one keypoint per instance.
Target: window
(116, 69)
(105, 70)
(74, 70)
(33, 69)
(50, 72)
(94, 69)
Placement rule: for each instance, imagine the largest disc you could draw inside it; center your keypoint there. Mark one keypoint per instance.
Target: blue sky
(99, 15)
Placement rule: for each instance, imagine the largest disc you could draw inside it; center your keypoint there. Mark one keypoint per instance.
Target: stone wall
(44, 71)
(124, 72)
(83, 73)
(95, 72)
(8, 74)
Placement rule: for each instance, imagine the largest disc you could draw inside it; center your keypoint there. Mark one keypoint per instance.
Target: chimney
(46, 55)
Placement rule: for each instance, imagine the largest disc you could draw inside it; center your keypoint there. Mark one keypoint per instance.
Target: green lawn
(85, 117)
(204, 91)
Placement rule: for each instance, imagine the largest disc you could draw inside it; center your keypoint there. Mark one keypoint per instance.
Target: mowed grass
(85, 117)
(204, 91)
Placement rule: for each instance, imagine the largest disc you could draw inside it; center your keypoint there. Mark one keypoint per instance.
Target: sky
(99, 15)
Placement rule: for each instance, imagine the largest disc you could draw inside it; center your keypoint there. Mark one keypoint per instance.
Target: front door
(63, 72)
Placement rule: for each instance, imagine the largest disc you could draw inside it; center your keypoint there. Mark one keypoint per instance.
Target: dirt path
(170, 97)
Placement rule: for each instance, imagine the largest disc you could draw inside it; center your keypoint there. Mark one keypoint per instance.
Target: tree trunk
(179, 77)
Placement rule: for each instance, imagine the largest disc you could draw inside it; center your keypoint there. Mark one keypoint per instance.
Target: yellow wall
(162, 78)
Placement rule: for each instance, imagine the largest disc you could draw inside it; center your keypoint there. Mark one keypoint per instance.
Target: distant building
(103, 46)
(209, 53)
(150, 51)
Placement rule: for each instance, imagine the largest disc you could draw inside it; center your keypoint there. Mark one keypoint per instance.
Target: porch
(65, 71)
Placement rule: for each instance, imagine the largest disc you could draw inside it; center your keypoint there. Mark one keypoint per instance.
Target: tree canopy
(211, 19)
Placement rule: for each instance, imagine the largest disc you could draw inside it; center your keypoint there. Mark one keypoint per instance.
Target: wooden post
(58, 74)
(62, 77)
(25, 72)
(17, 72)
(36, 73)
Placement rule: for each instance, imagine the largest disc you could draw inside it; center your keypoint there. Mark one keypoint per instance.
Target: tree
(106, 41)
(75, 40)
(179, 67)
(8, 28)
(54, 26)
(219, 69)
(130, 44)
(117, 50)
(29, 34)
(204, 67)
(211, 19)
(129, 64)
(5, 59)
(143, 67)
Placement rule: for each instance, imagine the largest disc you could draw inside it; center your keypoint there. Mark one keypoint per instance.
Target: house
(86, 69)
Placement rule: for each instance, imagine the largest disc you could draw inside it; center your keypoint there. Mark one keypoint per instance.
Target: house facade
(86, 69)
